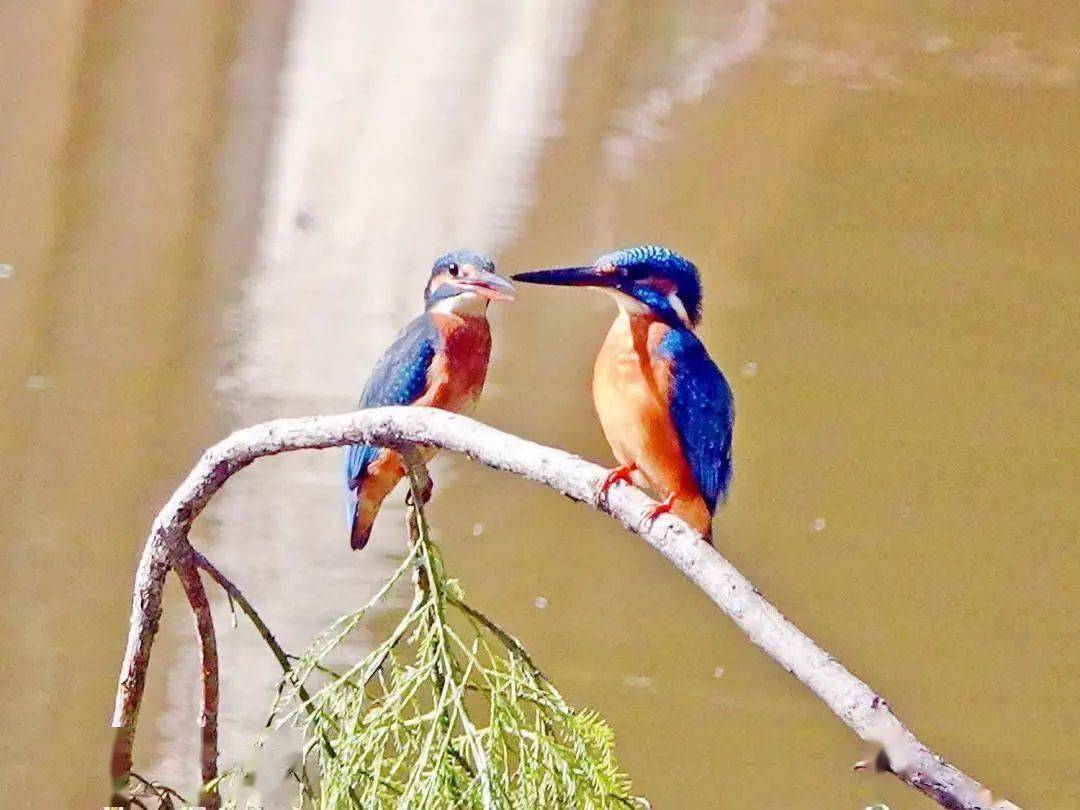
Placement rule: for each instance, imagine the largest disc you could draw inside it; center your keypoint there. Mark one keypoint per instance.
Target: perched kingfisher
(664, 406)
(439, 360)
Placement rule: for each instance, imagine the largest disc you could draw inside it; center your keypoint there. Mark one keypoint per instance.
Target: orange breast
(457, 374)
(630, 391)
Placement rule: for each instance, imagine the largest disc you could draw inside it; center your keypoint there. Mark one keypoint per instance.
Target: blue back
(703, 411)
(399, 378)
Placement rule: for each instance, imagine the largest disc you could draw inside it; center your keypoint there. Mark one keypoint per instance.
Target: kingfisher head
(645, 277)
(465, 281)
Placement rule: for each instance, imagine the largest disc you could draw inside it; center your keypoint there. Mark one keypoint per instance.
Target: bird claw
(620, 473)
(654, 512)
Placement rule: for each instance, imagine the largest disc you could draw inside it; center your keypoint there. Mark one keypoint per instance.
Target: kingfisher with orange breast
(439, 360)
(664, 406)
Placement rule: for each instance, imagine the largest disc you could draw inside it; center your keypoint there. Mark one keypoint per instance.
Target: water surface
(219, 214)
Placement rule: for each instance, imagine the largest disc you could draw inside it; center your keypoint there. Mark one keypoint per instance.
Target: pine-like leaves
(448, 711)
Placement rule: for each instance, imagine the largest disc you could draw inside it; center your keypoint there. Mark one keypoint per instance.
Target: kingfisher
(439, 360)
(664, 406)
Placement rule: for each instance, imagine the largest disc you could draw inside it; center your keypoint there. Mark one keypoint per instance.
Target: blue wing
(399, 378)
(703, 411)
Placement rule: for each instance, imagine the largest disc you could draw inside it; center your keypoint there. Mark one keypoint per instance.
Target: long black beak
(570, 277)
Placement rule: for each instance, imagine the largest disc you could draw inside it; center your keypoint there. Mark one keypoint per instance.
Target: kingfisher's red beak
(489, 285)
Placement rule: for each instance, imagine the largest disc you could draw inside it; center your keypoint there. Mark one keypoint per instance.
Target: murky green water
(881, 199)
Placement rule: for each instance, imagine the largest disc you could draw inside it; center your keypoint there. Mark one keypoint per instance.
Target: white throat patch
(627, 303)
(631, 306)
(465, 303)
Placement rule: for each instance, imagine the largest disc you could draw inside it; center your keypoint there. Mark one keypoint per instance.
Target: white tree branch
(855, 703)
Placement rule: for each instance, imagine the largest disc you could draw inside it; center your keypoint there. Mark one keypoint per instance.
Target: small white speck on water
(540, 602)
(38, 382)
(6, 270)
(905, 510)
(936, 43)
(477, 529)
(749, 369)
(637, 681)
(718, 672)
(878, 806)
(819, 524)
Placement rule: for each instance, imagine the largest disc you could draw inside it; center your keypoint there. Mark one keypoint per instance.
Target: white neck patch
(680, 310)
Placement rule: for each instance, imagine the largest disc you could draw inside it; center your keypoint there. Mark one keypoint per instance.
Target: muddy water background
(217, 214)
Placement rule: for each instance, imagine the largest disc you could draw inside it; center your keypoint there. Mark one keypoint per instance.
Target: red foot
(621, 473)
(661, 508)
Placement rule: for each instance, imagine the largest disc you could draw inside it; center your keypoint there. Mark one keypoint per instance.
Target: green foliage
(448, 711)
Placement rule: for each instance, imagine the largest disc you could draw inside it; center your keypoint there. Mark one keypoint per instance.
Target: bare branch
(237, 596)
(208, 659)
(856, 704)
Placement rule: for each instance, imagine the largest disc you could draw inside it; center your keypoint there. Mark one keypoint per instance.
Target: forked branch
(210, 678)
(856, 704)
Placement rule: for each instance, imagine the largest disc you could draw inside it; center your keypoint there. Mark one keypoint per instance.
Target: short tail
(366, 498)
(696, 512)
(361, 517)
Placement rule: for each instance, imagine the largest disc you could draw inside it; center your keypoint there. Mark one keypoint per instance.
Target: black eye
(453, 270)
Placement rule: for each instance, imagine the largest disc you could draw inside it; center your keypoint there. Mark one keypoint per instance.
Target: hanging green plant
(448, 711)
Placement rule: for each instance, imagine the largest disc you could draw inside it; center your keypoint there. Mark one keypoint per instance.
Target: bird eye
(453, 270)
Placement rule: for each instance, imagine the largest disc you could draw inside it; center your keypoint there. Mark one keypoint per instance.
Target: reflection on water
(217, 214)
(438, 152)
(680, 68)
